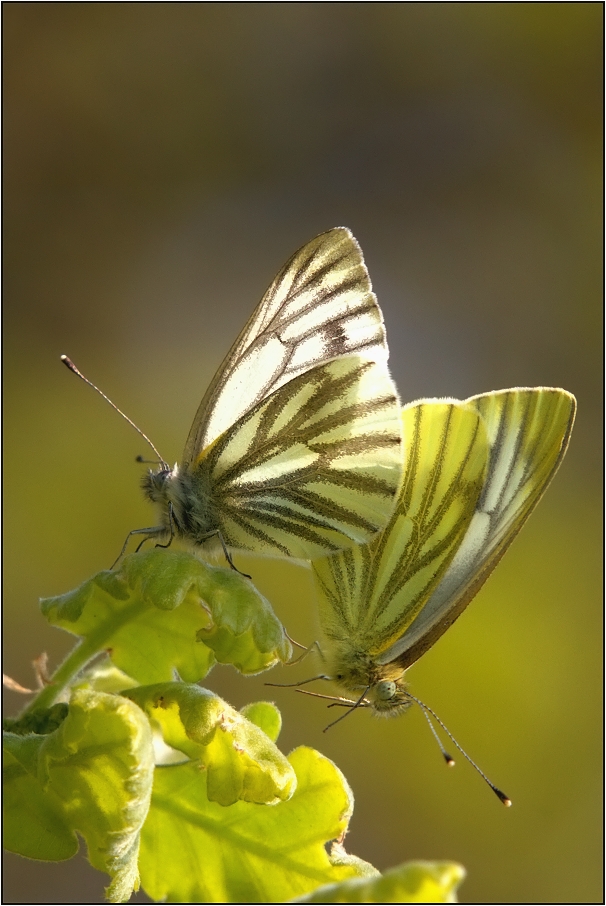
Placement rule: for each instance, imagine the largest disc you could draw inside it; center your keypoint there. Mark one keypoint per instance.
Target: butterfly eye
(385, 690)
(153, 483)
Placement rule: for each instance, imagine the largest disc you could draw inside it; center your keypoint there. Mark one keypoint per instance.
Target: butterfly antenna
(425, 708)
(69, 364)
(447, 758)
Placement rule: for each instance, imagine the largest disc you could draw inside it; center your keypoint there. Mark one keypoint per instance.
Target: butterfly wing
(316, 463)
(320, 306)
(528, 432)
(370, 594)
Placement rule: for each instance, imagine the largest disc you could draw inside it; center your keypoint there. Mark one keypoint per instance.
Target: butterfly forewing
(316, 463)
(319, 307)
(370, 594)
(528, 432)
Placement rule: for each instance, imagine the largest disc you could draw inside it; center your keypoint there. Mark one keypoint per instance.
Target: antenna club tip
(68, 362)
(449, 761)
(504, 798)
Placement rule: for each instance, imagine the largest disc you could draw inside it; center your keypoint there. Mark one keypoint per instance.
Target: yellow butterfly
(473, 472)
(296, 448)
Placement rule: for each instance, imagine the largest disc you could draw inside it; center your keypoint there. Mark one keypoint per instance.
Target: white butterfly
(296, 448)
(473, 472)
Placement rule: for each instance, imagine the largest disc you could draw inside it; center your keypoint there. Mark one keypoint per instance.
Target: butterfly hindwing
(528, 432)
(316, 463)
(473, 472)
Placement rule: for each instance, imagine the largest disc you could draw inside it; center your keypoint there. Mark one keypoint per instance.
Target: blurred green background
(161, 163)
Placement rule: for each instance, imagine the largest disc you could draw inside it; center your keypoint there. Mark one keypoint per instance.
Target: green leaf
(338, 855)
(34, 819)
(166, 610)
(414, 882)
(103, 676)
(92, 776)
(245, 632)
(195, 851)
(239, 760)
(264, 715)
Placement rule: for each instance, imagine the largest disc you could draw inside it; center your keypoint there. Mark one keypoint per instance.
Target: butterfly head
(388, 698)
(183, 497)
(155, 484)
(386, 690)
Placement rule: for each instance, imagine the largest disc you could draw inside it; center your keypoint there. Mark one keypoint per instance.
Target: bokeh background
(161, 163)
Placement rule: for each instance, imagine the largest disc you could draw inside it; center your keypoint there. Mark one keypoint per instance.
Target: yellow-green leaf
(92, 776)
(166, 610)
(414, 882)
(195, 851)
(239, 759)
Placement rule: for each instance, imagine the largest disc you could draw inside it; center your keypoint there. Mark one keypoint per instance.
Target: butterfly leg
(148, 532)
(217, 534)
(357, 704)
(171, 526)
(228, 557)
(306, 650)
(311, 679)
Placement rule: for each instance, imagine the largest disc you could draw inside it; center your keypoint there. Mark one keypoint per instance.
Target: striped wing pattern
(319, 307)
(370, 594)
(528, 432)
(316, 463)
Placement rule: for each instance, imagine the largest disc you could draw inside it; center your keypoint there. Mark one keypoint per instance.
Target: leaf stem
(73, 663)
(86, 649)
